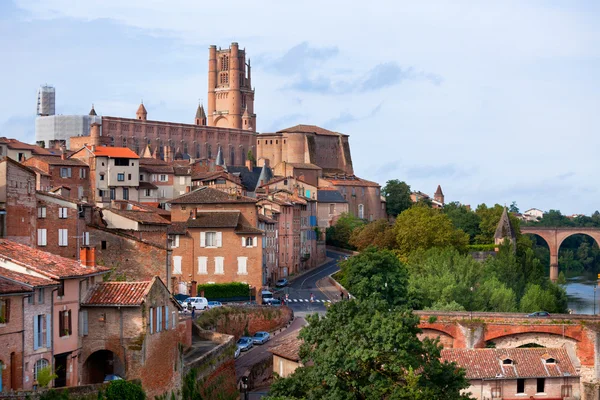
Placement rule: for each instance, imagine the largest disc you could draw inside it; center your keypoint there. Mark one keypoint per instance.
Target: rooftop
(43, 263)
(215, 219)
(330, 196)
(8, 287)
(290, 349)
(512, 363)
(207, 195)
(143, 217)
(113, 152)
(56, 160)
(124, 294)
(317, 130)
(26, 279)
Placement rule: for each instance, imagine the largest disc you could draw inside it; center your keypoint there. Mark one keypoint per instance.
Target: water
(580, 292)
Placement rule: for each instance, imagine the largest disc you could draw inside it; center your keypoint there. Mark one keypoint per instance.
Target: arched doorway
(102, 363)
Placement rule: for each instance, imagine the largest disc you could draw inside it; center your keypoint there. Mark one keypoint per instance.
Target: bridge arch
(445, 338)
(554, 237)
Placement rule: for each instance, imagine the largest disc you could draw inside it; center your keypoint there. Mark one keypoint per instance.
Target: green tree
(513, 207)
(463, 218)
(339, 234)
(537, 299)
(378, 233)
(362, 350)
(376, 273)
(397, 196)
(424, 228)
(123, 390)
(250, 157)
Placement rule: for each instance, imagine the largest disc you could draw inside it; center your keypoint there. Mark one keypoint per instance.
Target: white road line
(300, 300)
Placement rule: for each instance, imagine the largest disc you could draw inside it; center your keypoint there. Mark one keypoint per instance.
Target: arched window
(39, 364)
(232, 156)
(361, 211)
(197, 150)
(208, 151)
(124, 142)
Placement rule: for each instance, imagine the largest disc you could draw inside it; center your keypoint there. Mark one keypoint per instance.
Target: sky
(494, 101)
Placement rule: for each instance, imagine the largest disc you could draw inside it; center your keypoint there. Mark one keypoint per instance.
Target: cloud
(299, 59)
(346, 118)
(286, 121)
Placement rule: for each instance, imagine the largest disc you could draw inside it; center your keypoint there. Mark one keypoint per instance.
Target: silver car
(244, 343)
(261, 337)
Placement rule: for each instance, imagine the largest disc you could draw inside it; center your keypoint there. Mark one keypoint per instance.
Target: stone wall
(236, 320)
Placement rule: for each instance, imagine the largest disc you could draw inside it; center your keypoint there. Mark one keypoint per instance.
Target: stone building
(17, 202)
(286, 356)
(156, 182)
(19, 151)
(270, 225)
(133, 331)
(215, 239)
(63, 172)
(330, 205)
(363, 196)
(528, 373)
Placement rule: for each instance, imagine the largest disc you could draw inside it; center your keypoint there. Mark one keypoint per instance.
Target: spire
(220, 159)
(147, 152)
(439, 192)
(92, 111)
(505, 228)
(200, 114)
(265, 176)
(141, 112)
(246, 113)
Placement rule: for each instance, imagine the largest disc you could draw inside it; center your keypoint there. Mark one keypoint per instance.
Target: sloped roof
(141, 109)
(92, 111)
(182, 170)
(317, 130)
(200, 114)
(18, 145)
(330, 196)
(351, 180)
(113, 152)
(504, 228)
(288, 349)
(8, 287)
(304, 166)
(143, 217)
(47, 264)
(248, 178)
(56, 160)
(177, 228)
(147, 185)
(155, 165)
(118, 294)
(207, 195)
(215, 219)
(525, 362)
(26, 279)
(439, 192)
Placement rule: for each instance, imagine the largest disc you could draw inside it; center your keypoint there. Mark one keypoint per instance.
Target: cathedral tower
(230, 91)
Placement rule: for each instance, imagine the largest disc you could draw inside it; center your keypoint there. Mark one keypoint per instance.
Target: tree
(513, 207)
(463, 218)
(424, 228)
(250, 157)
(123, 390)
(339, 234)
(376, 273)
(397, 197)
(378, 233)
(362, 350)
(489, 218)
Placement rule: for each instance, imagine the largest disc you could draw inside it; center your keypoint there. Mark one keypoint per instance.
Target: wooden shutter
(166, 318)
(219, 239)
(69, 322)
(36, 344)
(255, 241)
(202, 239)
(61, 323)
(150, 315)
(48, 330)
(243, 241)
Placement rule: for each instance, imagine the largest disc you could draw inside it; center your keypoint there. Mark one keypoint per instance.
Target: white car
(196, 303)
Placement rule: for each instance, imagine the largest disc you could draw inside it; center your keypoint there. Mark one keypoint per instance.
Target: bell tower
(230, 92)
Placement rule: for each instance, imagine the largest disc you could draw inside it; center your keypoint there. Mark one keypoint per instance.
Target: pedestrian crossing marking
(308, 301)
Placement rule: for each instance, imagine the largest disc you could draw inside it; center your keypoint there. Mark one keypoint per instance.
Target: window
(41, 212)
(121, 177)
(82, 173)
(63, 238)
(40, 293)
(242, 265)
(4, 311)
(122, 162)
(361, 211)
(210, 239)
(112, 193)
(128, 177)
(507, 361)
(151, 321)
(61, 289)
(219, 266)
(541, 385)
(83, 324)
(246, 242)
(64, 323)
(65, 172)
(101, 177)
(520, 386)
(62, 212)
(38, 366)
(103, 245)
(41, 237)
(176, 265)
(182, 180)
(202, 265)
(141, 178)
(125, 193)
(148, 192)
(175, 242)
(158, 319)
(42, 332)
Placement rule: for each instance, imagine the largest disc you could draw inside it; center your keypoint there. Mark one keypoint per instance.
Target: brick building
(363, 196)
(270, 244)
(215, 239)
(330, 205)
(62, 172)
(17, 202)
(529, 373)
(74, 280)
(133, 331)
(182, 180)
(114, 173)
(19, 151)
(156, 181)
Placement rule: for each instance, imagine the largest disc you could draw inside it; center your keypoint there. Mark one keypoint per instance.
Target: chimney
(63, 155)
(87, 257)
(249, 165)
(187, 189)
(195, 213)
(93, 148)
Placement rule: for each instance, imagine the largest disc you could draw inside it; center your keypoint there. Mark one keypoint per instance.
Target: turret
(247, 120)
(200, 115)
(212, 83)
(141, 113)
(220, 159)
(505, 230)
(439, 195)
(92, 111)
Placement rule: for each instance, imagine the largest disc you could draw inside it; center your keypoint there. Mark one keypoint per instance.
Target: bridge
(554, 238)
(578, 334)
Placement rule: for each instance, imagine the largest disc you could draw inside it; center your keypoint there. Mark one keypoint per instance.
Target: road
(300, 289)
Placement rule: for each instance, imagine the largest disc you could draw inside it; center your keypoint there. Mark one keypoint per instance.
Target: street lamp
(244, 386)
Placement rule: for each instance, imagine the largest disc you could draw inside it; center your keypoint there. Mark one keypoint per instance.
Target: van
(196, 303)
(266, 296)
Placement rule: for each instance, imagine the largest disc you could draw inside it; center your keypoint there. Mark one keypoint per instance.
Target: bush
(123, 390)
(54, 394)
(45, 376)
(213, 291)
(482, 247)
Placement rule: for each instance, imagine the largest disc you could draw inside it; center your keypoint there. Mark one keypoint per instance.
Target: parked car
(112, 377)
(244, 343)
(237, 352)
(196, 303)
(281, 283)
(539, 314)
(273, 302)
(261, 337)
(266, 296)
(213, 304)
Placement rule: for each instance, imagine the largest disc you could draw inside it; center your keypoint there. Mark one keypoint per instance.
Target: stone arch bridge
(578, 334)
(554, 238)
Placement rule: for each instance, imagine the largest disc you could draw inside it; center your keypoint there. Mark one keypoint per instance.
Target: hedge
(482, 247)
(224, 290)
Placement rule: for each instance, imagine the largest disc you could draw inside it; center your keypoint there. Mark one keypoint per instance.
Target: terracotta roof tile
(118, 294)
(26, 279)
(290, 349)
(114, 152)
(47, 264)
(206, 195)
(177, 228)
(317, 130)
(55, 160)
(215, 219)
(7, 287)
(18, 145)
(304, 166)
(351, 181)
(143, 217)
(521, 362)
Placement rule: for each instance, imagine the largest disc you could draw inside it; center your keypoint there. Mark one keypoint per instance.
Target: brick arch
(115, 348)
(535, 334)
(221, 121)
(445, 338)
(100, 363)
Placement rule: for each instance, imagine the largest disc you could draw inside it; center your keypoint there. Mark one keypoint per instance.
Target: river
(580, 291)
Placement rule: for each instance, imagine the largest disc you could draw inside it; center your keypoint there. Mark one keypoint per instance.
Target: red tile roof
(207, 195)
(351, 181)
(118, 294)
(8, 287)
(524, 362)
(26, 279)
(56, 160)
(18, 145)
(114, 152)
(317, 130)
(143, 217)
(47, 264)
(290, 349)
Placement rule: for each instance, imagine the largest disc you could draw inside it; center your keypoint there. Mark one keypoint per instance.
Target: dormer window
(550, 360)
(507, 361)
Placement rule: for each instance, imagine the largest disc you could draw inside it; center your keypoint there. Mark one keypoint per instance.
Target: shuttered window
(62, 212)
(242, 265)
(219, 265)
(176, 265)
(202, 265)
(63, 237)
(41, 237)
